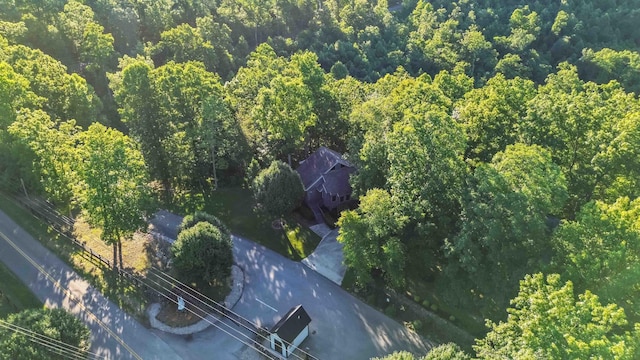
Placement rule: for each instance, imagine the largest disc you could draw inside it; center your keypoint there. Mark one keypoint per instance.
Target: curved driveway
(342, 326)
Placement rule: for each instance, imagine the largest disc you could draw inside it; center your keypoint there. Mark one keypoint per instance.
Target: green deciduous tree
(525, 28)
(448, 351)
(278, 189)
(134, 90)
(54, 147)
(577, 121)
(618, 162)
(55, 324)
(182, 89)
(600, 251)
(113, 184)
(426, 169)
(504, 232)
(202, 254)
(208, 42)
(606, 64)
(283, 116)
(179, 114)
(372, 238)
(15, 94)
(68, 95)
(547, 321)
(491, 115)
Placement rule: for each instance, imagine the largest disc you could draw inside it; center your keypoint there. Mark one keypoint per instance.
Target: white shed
(290, 331)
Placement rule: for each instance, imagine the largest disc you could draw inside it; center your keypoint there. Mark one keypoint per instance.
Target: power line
(206, 319)
(55, 218)
(66, 291)
(48, 346)
(50, 343)
(223, 313)
(227, 313)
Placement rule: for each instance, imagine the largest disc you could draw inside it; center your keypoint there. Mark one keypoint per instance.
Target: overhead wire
(205, 318)
(49, 209)
(68, 293)
(226, 314)
(199, 297)
(50, 343)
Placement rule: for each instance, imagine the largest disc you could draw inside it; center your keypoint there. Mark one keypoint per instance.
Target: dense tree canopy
(55, 324)
(547, 320)
(493, 139)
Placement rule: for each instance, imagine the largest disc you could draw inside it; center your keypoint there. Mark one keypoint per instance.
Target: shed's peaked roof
(291, 324)
(317, 164)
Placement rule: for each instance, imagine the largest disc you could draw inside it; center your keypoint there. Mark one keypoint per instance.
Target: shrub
(278, 189)
(202, 253)
(434, 307)
(425, 304)
(452, 318)
(416, 299)
(201, 216)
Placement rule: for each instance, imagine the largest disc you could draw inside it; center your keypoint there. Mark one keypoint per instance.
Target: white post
(24, 189)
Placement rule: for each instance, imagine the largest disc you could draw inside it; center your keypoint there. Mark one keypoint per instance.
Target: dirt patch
(133, 250)
(170, 315)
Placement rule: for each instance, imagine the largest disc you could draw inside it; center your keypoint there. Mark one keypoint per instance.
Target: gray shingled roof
(291, 324)
(317, 164)
(336, 182)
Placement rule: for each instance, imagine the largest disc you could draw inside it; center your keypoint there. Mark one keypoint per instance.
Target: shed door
(278, 343)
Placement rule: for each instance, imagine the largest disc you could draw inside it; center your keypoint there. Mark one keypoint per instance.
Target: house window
(347, 197)
(333, 198)
(341, 198)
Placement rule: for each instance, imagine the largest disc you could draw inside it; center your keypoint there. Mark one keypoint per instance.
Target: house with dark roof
(290, 331)
(325, 177)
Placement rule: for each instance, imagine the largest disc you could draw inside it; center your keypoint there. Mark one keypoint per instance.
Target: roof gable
(317, 164)
(291, 324)
(336, 182)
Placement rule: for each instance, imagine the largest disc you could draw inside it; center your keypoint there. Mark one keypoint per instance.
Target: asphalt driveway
(342, 326)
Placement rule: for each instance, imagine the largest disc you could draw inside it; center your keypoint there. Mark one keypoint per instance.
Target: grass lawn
(234, 206)
(121, 293)
(14, 295)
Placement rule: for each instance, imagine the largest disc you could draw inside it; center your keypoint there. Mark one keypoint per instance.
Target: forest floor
(14, 295)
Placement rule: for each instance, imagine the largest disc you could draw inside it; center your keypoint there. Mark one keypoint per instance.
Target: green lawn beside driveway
(234, 206)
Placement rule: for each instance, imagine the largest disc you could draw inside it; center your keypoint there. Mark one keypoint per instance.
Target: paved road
(343, 327)
(56, 284)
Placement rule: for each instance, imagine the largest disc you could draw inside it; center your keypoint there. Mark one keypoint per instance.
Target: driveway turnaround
(114, 334)
(342, 326)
